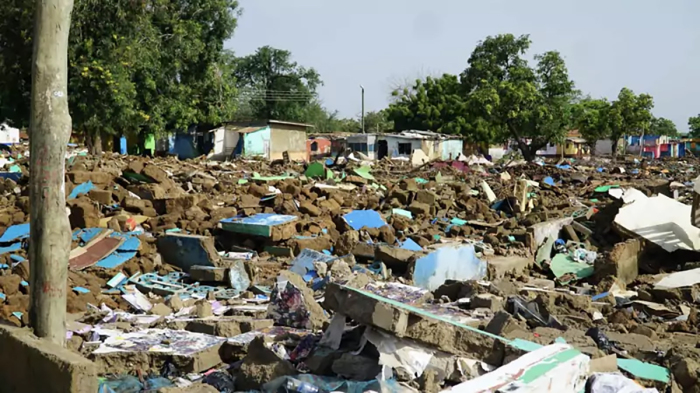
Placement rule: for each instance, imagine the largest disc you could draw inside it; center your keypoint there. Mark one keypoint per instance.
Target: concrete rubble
(415, 276)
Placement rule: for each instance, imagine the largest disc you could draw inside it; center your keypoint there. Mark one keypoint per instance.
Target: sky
(649, 46)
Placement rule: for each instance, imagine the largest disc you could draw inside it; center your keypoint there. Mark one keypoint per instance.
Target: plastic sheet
(221, 381)
(307, 383)
(614, 383)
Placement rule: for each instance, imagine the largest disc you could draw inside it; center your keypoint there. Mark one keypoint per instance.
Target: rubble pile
(352, 275)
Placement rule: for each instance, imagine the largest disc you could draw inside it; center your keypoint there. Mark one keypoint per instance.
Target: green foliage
(662, 126)
(592, 118)
(512, 100)
(631, 114)
(275, 87)
(694, 126)
(376, 121)
(134, 65)
(435, 104)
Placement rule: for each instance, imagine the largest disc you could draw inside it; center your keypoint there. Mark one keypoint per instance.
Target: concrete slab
(185, 251)
(31, 365)
(500, 266)
(152, 348)
(220, 326)
(435, 326)
(622, 262)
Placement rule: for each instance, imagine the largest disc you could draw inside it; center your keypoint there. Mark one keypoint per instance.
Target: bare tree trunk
(50, 123)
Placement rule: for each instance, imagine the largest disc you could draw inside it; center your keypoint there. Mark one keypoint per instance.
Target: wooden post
(50, 129)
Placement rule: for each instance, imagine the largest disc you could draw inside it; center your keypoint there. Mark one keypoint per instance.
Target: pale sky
(650, 46)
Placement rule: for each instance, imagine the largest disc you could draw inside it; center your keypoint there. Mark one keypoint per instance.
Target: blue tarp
(15, 232)
(448, 263)
(11, 248)
(81, 189)
(358, 219)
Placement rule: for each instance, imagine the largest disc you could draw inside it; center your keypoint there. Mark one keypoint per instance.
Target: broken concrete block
(487, 300)
(427, 197)
(181, 204)
(185, 251)
(61, 369)
(501, 266)
(220, 326)
(276, 227)
(419, 209)
(84, 214)
(310, 209)
(622, 262)
(96, 177)
(317, 243)
(428, 324)
(152, 348)
(356, 367)
(155, 173)
(261, 365)
(292, 303)
(103, 197)
(395, 258)
(347, 242)
(208, 273)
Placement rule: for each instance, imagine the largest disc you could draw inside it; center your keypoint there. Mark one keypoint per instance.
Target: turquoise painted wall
(257, 143)
(453, 146)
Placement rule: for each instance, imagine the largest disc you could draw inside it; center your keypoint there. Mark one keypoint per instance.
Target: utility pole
(363, 108)
(50, 129)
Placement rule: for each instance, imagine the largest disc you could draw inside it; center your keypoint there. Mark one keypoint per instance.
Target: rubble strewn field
(353, 276)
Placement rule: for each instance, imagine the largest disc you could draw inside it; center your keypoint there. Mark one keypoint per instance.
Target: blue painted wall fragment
(124, 253)
(238, 277)
(304, 262)
(81, 189)
(15, 232)
(185, 251)
(358, 219)
(451, 262)
(11, 248)
(409, 244)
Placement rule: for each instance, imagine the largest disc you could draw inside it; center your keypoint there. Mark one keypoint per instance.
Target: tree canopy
(273, 86)
(133, 65)
(592, 119)
(662, 126)
(498, 97)
(694, 126)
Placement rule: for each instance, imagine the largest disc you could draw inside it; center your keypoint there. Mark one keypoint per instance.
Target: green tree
(662, 126)
(511, 100)
(272, 86)
(630, 115)
(592, 118)
(134, 66)
(694, 126)
(432, 104)
(378, 121)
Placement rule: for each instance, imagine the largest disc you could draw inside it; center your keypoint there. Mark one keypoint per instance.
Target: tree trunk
(614, 147)
(50, 122)
(93, 142)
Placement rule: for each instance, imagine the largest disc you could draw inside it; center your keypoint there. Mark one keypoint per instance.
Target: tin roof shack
(403, 144)
(262, 138)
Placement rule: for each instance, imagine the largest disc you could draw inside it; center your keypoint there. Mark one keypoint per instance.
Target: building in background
(264, 138)
(404, 143)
